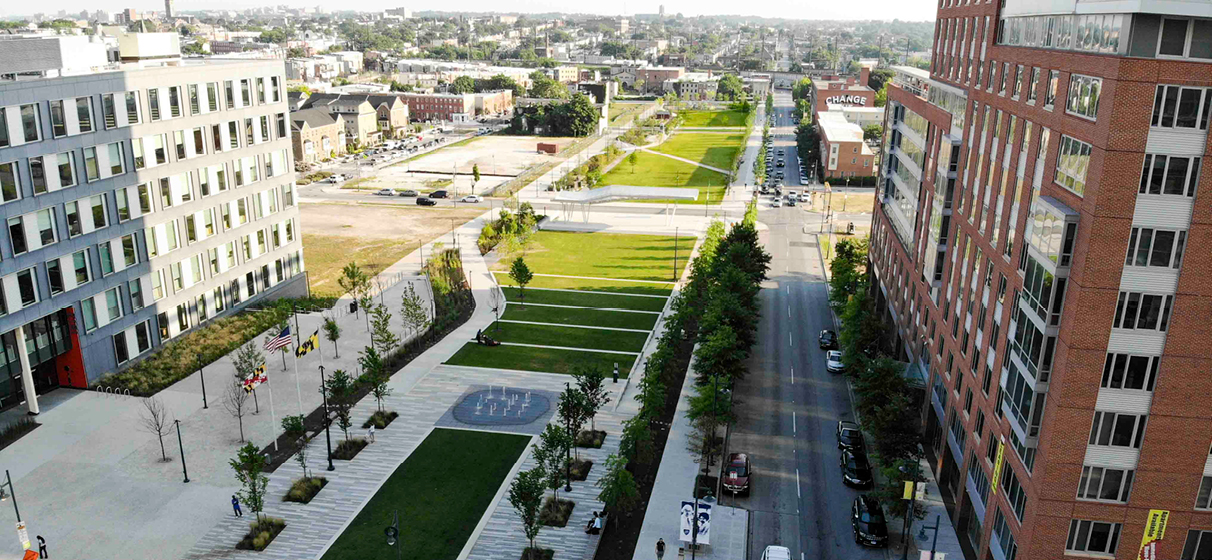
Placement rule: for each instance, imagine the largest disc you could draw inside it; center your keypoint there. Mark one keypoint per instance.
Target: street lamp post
(393, 534)
(568, 460)
(184, 471)
(327, 419)
(201, 376)
(8, 481)
(909, 514)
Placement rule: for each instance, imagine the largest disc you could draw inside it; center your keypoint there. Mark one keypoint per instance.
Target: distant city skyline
(912, 10)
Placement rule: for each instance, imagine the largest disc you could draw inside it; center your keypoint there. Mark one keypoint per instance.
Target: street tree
(463, 84)
(340, 387)
(591, 383)
(302, 454)
(375, 372)
(526, 497)
(156, 420)
(475, 172)
(573, 412)
(730, 88)
(550, 453)
(632, 158)
(249, 465)
(235, 402)
(619, 490)
(381, 336)
(521, 275)
(354, 281)
(637, 443)
(332, 332)
(414, 312)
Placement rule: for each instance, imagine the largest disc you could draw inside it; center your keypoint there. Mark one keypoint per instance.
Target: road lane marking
(789, 341)
(793, 421)
(793, 375)
(797, 483)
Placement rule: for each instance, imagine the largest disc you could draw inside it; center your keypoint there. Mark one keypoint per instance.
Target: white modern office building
(140, 199)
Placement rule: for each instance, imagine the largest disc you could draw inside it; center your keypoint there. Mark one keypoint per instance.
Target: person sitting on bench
(594, 526)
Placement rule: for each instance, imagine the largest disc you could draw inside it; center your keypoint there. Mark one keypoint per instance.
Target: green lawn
(716, 150)
(592, 285)
(441, 492)
(713, 118)
(571, 316)
(607, 301)
(652, 170)
(605, 255)
(570, 337)
(547, 360)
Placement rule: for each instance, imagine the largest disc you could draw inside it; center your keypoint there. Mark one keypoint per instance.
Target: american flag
(283, 339)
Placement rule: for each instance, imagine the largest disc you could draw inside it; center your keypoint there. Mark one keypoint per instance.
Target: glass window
(153, 104)
(106, 254)
(54, 274)
(130, 255)
(1050, 91)
(27, 287)
(1173, 38)
(67, 170)
(98, 210)
(1117, 429)
(1083, 96)
(120, 352)
(46, 226)
(1093, 537)
(58, 120)
(88, 311)
(84, 113)
(1131, 372)
(80, 267)
(16, 235)
(9, 187)
(135, 289)
(1072, 162)
(1107, 484)
(1203, 500)
(29, 123)
(37, 175)
(113, 303)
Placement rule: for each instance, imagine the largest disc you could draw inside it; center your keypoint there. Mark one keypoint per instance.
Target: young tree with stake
(526, 496)
(332, 331)
(521, 275)
(156, 420)
(375, 372)
(414, 312)
(235, 401)
(249, 465)
(381, 337)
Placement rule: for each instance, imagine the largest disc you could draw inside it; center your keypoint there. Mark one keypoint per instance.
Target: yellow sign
(1155, 530)
(997, 465)
(908, 490)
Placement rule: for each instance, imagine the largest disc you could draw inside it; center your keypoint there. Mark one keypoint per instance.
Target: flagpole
(272, 417)
(298, 388)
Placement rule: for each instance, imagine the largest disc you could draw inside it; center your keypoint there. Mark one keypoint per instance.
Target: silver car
(833, 362)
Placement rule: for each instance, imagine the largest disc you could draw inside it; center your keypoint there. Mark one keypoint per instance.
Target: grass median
(441, 492)
(575, 316)
(729, 117)
(570, 337)
(584, 299)
(591, 285)
(655, 170)
(716, 150)
(548, 360)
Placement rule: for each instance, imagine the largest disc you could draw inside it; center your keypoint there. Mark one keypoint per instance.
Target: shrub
(537, 553)
(304, 489)
(380, 419)
(261, 533)
(348, 449)
(180, 358)
(591, 438)
(580, 468)
(556, 514)
(293, 425)
(13, 431)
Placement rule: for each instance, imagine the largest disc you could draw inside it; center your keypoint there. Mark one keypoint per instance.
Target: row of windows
(1102, 538)
(73, 116)
(49, 173)
(39, 229)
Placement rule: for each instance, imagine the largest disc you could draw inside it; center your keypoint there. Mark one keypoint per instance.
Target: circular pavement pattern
(501, 406)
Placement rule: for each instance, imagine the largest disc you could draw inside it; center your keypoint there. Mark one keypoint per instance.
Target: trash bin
(850, 227)
(353, 307)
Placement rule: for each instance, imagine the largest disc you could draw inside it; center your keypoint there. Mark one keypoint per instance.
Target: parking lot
(496, 155)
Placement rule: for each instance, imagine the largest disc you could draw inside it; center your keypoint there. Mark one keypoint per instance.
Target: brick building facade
(1037, 248)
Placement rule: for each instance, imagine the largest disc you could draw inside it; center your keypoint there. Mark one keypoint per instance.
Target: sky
(912, 10)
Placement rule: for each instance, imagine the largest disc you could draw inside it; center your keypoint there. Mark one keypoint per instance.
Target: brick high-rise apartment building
(1039, 248)
(139, 202)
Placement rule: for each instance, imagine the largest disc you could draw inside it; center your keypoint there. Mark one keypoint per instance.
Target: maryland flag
(308, 345)
(258, 377)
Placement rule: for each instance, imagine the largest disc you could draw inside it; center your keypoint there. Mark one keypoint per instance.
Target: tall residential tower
(140, 200)
(1038, 248)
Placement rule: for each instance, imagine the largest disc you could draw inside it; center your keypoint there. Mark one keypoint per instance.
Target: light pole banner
(1155, 530)
(688, 516)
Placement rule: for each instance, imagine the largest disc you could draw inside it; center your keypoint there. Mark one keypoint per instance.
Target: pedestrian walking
(42, 553)
(235, 506)
(371, 433)
(660, 548)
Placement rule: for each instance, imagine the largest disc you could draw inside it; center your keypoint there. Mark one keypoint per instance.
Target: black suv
(856, 471)
(867, 520)
(849, 436)
(425, 201)
(437, 194)
(828, 340)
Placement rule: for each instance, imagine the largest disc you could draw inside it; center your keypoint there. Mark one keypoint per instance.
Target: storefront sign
(839, 99)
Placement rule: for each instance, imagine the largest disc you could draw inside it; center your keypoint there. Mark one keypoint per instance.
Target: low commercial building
(494, 102)
(843, 151)
(317, 134)
(699, 87)
(654, 77)
(440, 106)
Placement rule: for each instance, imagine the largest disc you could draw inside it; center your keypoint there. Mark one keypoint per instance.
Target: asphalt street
(788, 405)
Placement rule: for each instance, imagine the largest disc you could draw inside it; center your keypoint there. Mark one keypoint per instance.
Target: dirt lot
(397, 177)
(496, 155)
(374, 236)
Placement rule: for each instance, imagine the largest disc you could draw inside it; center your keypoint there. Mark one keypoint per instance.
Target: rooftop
(836, 128)
(314, 117)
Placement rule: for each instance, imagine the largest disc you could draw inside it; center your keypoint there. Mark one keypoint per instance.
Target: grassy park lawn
(549, 360)
(716, 150)
(652, 170)
(441, 492)
(605, 255)
(587, 299)
(570, 337)
(327, 254)
(616, 286)
(713, 118)
(574, 316)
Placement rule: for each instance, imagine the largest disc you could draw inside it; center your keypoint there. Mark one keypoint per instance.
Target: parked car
(833, 362)
(867, 520)
(790, 200)
(856, 471)
(408, 192)
(776, 203)
(849, 436)
(336, 178)
(472, 198)
(437, 194)
(804, 196)
(737, 473)
(385, 192)
(773, 552)
(426, 201)
(828, 339)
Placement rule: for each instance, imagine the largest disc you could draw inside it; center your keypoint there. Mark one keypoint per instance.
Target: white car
(336, 178)
(473, 198)
(804, 196)
(833, 362)
(385, 192)
(776, 203)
